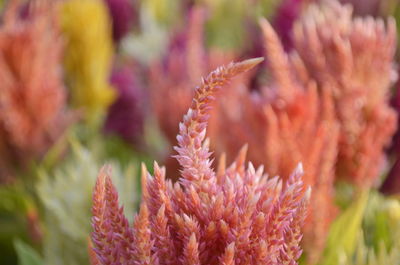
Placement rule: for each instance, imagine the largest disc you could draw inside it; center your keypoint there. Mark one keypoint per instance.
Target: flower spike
(236, 216)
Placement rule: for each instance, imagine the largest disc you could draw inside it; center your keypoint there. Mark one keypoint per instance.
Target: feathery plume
(338, 52)
(32, 94)
(238, 216)
(324, 104)
(286, 122)
(172, 79)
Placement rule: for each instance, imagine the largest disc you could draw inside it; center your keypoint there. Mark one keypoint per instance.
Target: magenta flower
(287, 13)
(126, 115)
(123, 15)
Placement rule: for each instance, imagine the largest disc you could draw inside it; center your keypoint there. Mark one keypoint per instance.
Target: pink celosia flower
(236, 215)
(32, 95)
(172, 80)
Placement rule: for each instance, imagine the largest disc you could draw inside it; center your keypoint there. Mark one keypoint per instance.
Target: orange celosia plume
(325, 104)
(32, 96)
(236, 215)
(288, 122)
(354, 58)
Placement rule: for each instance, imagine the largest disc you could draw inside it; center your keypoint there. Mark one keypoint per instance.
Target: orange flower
(32, 96)
(324, 103)
(354, 59)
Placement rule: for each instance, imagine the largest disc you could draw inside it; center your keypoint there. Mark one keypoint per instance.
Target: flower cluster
(236, 215)
(323, 105)
(32, 95)
(338, 52)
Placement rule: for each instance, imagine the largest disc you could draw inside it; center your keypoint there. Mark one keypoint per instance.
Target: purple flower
(123, 14)
(125, 116)
(287, 13)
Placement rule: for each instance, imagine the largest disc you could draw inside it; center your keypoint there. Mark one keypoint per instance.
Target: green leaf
(344, 231)
(26, 254)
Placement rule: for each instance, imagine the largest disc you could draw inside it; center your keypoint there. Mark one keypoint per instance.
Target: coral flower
(324, 104)
(236, 215)
(32, 95)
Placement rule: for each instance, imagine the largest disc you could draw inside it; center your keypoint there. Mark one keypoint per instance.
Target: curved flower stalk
(236, 215)
(32, 95)
(86, 27)
(172, 80)
(68, 189)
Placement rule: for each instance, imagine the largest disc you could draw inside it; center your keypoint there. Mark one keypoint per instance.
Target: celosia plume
(343, 54)
(287, 122)
(323, 104)
(236, 215)
(32, 95)
(172, 79)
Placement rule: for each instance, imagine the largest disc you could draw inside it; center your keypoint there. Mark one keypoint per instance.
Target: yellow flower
(89, 50)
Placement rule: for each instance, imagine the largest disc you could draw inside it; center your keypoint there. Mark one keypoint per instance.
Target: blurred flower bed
(274, 124)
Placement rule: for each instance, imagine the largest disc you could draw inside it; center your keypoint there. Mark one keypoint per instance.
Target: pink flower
(234, 215)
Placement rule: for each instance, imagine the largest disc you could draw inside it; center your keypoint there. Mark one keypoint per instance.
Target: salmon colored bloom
(322, 104)
(343, 54)
(234, 215)
(32, 95)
